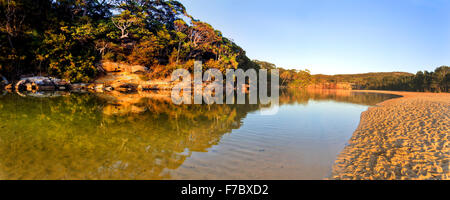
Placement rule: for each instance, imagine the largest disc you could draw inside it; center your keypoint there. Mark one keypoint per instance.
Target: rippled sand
(405, 138)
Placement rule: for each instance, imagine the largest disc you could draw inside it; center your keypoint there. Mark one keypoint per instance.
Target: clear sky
(335, 36)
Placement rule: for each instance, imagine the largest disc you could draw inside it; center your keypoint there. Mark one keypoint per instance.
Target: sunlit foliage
(422, 81)
(69, 38)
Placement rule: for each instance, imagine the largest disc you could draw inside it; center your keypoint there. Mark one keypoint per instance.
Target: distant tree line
(288, 77)
(69, 38)
(422, 81)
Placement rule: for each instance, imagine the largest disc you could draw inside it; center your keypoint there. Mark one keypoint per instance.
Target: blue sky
(335, 36)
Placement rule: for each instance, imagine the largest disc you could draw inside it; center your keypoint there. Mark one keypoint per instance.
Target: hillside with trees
(422, 81)
(69, 38)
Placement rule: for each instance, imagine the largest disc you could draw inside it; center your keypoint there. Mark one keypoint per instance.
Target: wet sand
(405, 138)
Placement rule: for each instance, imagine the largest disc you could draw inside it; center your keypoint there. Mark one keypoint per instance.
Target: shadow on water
(119, 136)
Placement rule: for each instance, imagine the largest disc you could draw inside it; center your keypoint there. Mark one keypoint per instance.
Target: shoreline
(404, 138)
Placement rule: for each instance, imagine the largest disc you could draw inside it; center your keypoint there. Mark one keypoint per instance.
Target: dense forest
(422, 81)
(288, 77)
(69, 38)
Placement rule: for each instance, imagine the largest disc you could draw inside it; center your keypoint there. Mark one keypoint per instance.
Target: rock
(126, 87)
(112, 67)
(40, 83)
(91, 86)
(30, 86)
(79, 87)
(99, 88)
(20, 85)
(9, 87)
(109, 89)
(61, 84)
(96, 87)
(138, 69)
(62, 88)
(3, 80)
(45, 88)
(137, 109)
(121, 67)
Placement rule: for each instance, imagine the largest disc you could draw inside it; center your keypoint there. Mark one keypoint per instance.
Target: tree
(69, 38)
(440, 79)
(180, 27)
(265, 65)
(124, 21)
(201, 37)
(13, 22)
(303, 78)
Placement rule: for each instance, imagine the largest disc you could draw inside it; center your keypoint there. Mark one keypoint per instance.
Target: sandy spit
(406, 138)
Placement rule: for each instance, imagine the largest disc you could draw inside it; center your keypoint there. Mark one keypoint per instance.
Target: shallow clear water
(144, 136)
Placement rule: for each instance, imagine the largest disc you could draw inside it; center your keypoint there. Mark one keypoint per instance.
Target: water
(144, 136)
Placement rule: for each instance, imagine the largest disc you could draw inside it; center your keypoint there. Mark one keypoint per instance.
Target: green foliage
(265, 65)
(301, 79)
(68, 38)
(423, 81)
(295, 78)
(288, 77)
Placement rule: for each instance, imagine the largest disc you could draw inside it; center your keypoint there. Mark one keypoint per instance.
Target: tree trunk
(85, 8)
(10, 42)
(178, 53)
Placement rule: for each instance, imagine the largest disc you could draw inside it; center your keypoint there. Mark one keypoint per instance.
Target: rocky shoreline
(114, 77)
(406, 138)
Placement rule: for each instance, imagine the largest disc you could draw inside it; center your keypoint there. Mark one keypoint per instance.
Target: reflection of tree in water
(289, 96)
(119, 136)
(70, 137)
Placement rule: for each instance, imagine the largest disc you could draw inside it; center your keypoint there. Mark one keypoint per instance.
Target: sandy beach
(405, 138)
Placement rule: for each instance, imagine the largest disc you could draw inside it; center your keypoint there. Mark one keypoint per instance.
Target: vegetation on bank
(288, 77)
(69, 38)
(422, 81)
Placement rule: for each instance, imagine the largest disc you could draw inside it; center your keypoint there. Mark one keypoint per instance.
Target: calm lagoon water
(144, 136)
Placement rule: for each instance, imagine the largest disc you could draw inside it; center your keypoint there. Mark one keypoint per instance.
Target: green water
(144, 136)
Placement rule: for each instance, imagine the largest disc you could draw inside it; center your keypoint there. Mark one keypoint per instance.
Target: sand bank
(406, 138)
